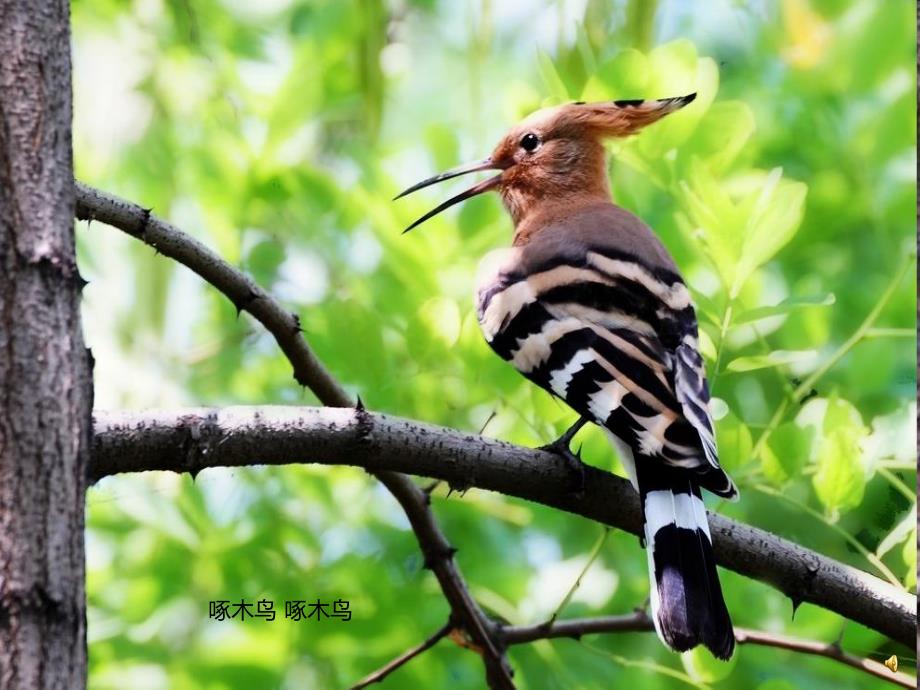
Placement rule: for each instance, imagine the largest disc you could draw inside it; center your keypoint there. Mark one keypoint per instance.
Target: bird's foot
(573, 461)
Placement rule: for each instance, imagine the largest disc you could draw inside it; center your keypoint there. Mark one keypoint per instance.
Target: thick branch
(640, 622)
(92, 204)
(191, 440)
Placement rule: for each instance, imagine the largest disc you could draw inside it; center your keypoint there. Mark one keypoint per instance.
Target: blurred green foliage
(277, 132)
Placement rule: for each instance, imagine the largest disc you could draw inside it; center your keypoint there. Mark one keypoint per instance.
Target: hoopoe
(588, 304)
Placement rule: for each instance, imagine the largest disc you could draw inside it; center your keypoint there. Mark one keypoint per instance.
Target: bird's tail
(686, 597)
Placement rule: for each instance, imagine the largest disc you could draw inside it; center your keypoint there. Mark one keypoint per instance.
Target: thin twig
(828, 651)
(247, 295)
(592, 556)
(403, 658)
(191, 439)
(640, 622)
(896, 482)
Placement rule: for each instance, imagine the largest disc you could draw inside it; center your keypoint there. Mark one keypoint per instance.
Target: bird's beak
(483, 186)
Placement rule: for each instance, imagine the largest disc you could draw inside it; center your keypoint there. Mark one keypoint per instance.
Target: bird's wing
(614, 335)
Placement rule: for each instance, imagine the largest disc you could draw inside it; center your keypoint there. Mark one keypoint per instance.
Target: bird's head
(555, 154)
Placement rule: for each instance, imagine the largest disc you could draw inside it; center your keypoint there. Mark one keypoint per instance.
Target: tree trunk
(45, 384)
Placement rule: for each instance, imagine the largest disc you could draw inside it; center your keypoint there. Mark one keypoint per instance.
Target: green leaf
(721, 134)
(894, 435)
(787, 305)
(551, 79)
(901, 531)
(703, 667)
(734, 441)
(674, 68)
(774, 219)
(707, 347)
(624, 76)
(741, 235)
(712, 220)
(786, 453)
(706, 308)
(840, 480)
(773, 359)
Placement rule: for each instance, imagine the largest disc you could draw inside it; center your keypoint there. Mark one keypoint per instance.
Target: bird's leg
(561, 447)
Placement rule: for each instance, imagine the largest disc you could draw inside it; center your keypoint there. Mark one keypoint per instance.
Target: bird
(588, 304)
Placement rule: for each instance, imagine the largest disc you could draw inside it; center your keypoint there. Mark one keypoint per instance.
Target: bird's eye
(530, 142)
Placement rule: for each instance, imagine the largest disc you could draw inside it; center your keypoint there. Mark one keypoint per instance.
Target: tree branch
(92, 204)
(576, 628)
(403, 658)
(190, 440)
(828, 651)
(243, 291)
(640, 622)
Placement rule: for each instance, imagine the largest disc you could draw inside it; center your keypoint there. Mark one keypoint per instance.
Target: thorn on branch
(145, 224)
(837, 644)
(296, 329)
(441, 555)
(796, 602)
(365, 420)
(201, 432)
(244, 304)
(460, 487)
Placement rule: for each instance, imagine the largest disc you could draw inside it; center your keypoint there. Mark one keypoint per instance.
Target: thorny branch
(246, 295)
(640, 622)
(191, 439)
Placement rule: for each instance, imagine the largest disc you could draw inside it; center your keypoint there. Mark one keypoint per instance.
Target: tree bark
(45, 384)
(191, 440)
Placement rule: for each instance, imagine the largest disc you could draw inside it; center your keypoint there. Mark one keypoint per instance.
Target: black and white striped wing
(693, 393)
(616, 340)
